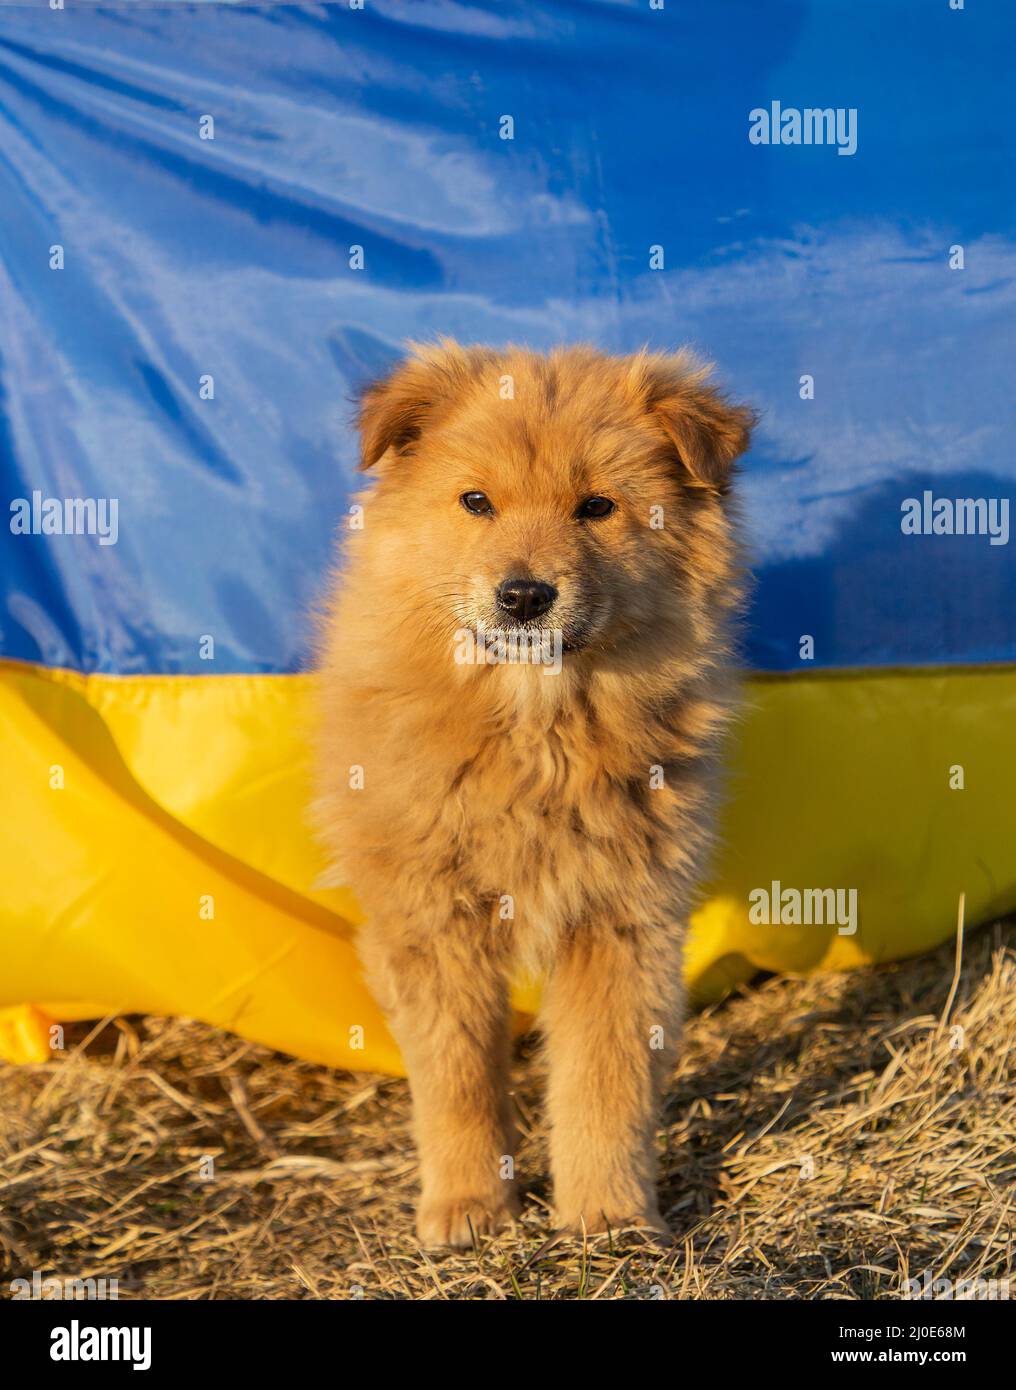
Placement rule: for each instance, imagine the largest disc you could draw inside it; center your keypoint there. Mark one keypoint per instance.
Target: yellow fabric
(25, 1034)
(156, 857)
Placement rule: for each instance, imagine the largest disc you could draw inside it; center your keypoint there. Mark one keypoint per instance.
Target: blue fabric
(380, 128)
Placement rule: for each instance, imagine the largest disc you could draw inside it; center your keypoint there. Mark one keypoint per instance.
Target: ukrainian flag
(218, 221)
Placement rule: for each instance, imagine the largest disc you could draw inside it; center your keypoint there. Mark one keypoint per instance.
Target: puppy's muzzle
(522, 600)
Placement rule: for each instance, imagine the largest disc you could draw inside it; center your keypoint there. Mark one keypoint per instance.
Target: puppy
(525, 680)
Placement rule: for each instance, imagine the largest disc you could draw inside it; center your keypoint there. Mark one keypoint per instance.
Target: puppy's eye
(595, 507)
(478, 503)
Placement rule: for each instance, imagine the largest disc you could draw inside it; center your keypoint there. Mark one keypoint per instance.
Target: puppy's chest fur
(546, 834)
(546, 817)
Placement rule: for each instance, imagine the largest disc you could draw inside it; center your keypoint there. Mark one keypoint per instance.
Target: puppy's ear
(394, 411)
(707, 431)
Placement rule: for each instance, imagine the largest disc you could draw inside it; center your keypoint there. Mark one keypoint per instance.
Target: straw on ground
(823, 1138)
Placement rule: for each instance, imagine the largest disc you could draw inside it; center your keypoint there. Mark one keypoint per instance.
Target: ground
(829, 1137)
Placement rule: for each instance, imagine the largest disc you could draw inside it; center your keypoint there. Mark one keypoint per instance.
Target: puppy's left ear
(708, 432)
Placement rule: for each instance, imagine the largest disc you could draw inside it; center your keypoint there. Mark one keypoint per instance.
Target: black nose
(525, 598)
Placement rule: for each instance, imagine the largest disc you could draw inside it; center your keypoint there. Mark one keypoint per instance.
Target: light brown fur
(514, 820)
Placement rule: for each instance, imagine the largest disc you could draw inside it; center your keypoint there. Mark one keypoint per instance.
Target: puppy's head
(574, 493)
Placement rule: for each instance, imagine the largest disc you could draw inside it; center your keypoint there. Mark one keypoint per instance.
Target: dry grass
(906, 1126)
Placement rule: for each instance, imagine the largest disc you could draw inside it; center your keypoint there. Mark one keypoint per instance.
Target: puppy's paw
(596, 1219)
(457, 1221)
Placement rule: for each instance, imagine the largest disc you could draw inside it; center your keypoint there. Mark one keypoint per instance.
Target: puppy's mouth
(568, 641)
(531, 632)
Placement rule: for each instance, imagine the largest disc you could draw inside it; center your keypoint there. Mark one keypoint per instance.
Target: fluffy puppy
(525, 680)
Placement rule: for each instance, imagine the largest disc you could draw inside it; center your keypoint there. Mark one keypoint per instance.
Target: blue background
(380, 128)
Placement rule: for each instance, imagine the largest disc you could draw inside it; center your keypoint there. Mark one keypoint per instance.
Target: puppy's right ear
(395, 410)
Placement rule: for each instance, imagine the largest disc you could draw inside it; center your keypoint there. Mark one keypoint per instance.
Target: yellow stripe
(184, 794)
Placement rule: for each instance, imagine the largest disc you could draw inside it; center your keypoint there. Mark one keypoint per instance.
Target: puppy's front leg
(446, 1001)
(611, 1016)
